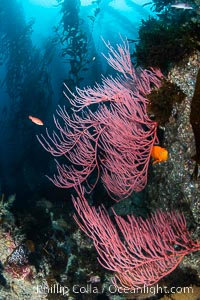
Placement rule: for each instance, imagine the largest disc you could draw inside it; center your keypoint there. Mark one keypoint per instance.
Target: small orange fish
(36, 120)
(159, 154)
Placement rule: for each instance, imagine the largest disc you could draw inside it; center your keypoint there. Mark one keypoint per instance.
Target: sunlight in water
(45, 3)
(86, 2)
(50, 3)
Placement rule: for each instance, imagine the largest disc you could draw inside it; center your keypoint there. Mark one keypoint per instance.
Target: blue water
(33, 69)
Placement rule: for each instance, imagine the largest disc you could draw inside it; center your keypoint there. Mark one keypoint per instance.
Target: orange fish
(159, 154)
(36, 120)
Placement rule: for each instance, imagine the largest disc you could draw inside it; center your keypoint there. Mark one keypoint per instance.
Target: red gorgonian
(139, 251)
(112, 140)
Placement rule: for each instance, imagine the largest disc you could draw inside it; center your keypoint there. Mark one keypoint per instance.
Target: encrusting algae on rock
(195, 121)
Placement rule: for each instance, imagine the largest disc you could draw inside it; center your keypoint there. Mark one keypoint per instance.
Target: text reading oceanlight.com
(91, 289)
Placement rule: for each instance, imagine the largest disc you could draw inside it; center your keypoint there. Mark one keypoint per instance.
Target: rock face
(172, 184)
(195, 119)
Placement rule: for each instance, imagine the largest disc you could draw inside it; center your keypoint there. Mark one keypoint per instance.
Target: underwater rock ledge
(171, 184)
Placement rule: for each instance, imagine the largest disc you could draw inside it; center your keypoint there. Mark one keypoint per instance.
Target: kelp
(167, 40)
(73, 41)
(161, 101)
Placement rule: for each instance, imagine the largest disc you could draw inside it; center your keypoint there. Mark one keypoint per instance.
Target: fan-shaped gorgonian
(139, 251)
(115, 141)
